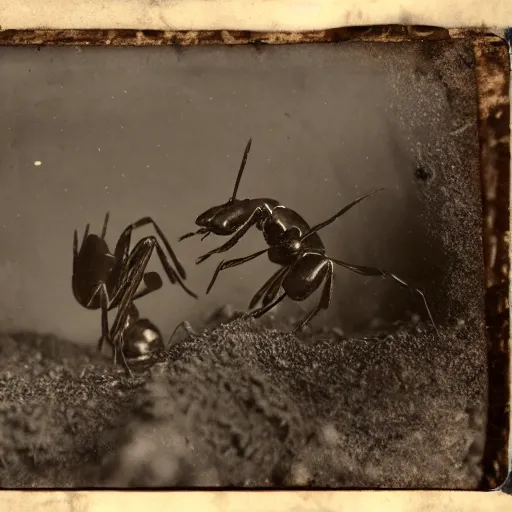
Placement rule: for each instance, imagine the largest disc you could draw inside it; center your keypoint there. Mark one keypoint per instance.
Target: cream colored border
(252, 501)
(251, 15)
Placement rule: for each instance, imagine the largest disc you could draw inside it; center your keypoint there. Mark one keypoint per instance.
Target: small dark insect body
(143, 340)
(105, 280)
(292, 244)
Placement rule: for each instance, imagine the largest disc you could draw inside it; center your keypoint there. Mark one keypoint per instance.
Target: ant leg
(223, 265)
(104, 317)
(269, 300)
(261, 292)
(118, 348)
(104, 229)
(239, 233)
(338, 214)
(75, 240)
(122, 251)
(273, 290)
(86, 233)
(124, 362)
(373, 271)
(105, 302)
(185, 325)
(152, 283)
(264, 309)
(75, 244)
(173, 277)
(325, 299)
(144, 221)
(201, 231)
(129, 283)
(153, 242)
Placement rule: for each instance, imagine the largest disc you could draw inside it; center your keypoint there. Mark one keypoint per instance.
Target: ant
(105, 280)
(293, 245)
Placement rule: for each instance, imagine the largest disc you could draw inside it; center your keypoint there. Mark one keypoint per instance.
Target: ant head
(220, 220)
(207, 218)
(224, 219)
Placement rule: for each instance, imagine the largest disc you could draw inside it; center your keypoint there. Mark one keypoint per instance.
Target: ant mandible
(102, 280)
(293, 245)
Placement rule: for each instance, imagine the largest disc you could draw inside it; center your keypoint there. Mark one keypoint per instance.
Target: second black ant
(293, 245)
(104, 280)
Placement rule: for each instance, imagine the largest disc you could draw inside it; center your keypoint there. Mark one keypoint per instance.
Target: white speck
(158, 145)
(99, 149)
(37, 163)
(106, 188)
(147, 166)
(122, 175)
(122, 127)
(112, 97)
(18, 215)
(65, 190)
(125, 92)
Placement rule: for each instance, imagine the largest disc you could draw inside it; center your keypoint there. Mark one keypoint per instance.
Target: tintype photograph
(258, 261)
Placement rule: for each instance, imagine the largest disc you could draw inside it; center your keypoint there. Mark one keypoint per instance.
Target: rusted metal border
(493, 80)
(377, 33)
(493, 84)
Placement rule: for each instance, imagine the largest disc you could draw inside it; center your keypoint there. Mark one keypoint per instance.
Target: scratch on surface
(461, 129)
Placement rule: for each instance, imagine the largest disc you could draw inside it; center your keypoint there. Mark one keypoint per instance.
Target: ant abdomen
(142, 340)
(304, 278)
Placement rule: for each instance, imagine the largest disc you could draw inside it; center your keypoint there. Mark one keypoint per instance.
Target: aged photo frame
(492, 72)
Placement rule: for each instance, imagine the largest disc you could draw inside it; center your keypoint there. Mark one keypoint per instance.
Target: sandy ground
(241, 404)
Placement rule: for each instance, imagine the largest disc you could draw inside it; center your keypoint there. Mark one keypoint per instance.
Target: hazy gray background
(161, 132)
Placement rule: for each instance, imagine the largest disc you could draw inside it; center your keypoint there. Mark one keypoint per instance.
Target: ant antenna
(241, 171)
(104, 230)
(373, 271)
(322, 225)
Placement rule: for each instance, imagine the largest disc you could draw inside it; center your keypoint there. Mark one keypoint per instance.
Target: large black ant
(102, 280)
(293, 245)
